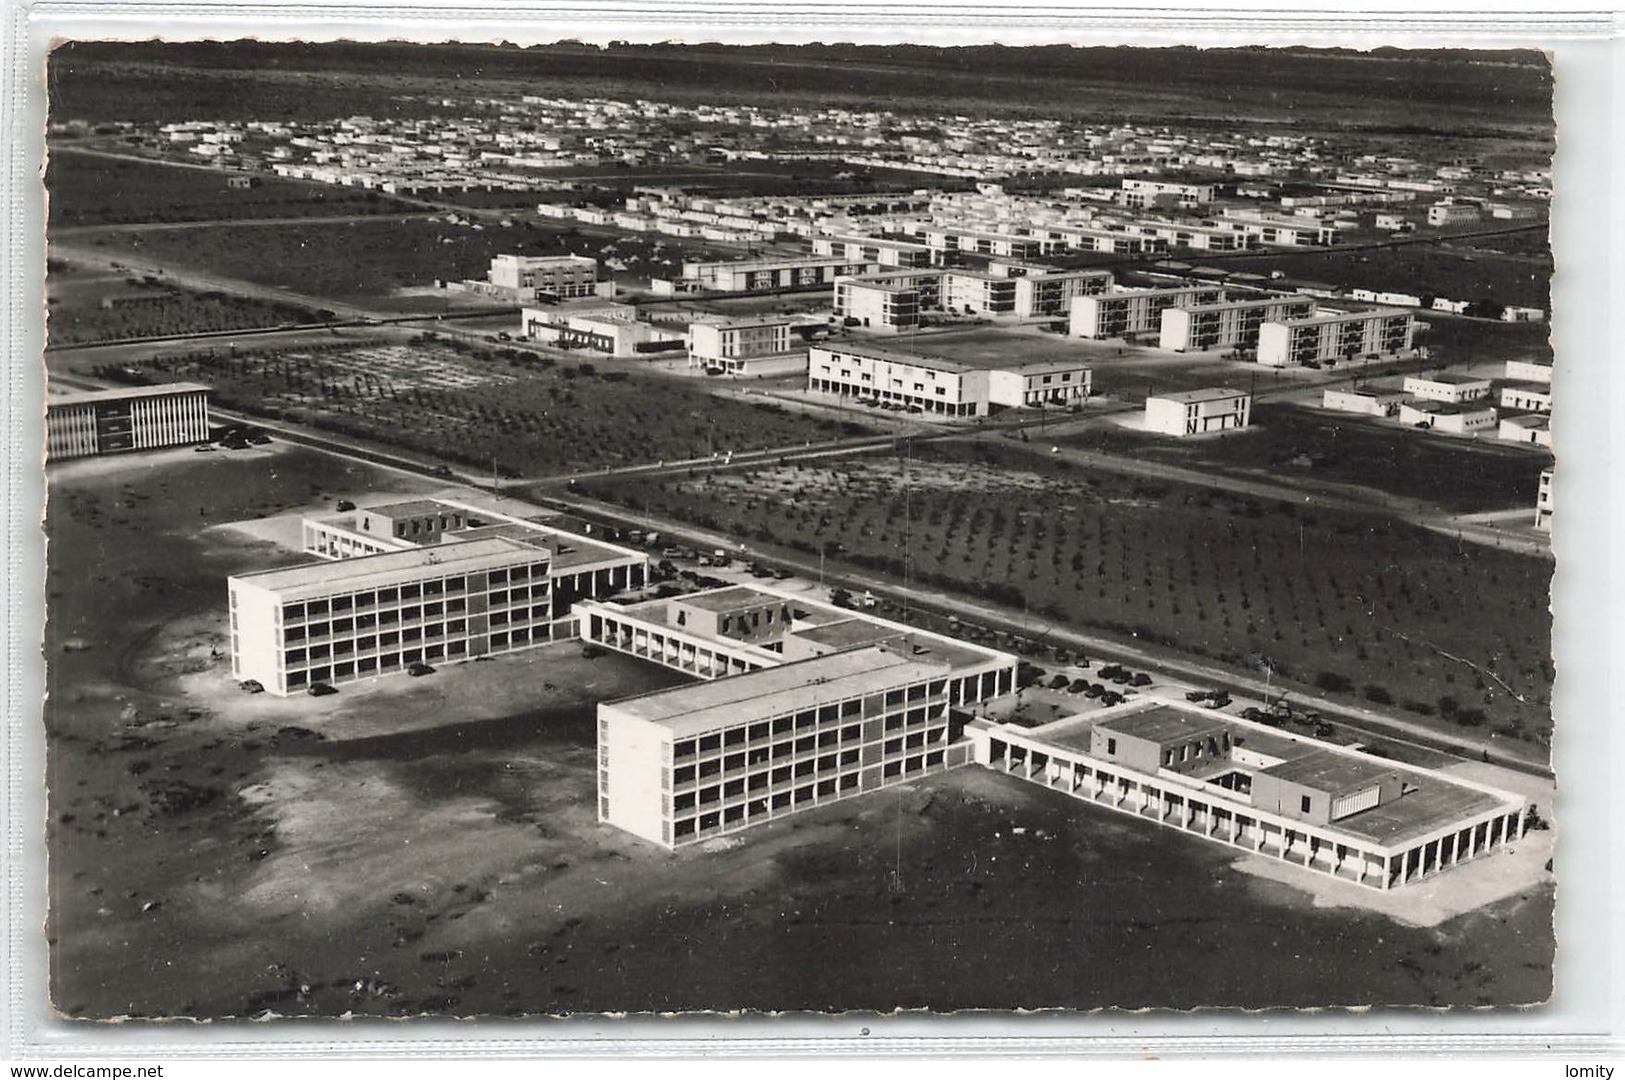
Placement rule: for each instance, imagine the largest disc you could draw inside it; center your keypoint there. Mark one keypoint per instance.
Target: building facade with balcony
(1336, 337)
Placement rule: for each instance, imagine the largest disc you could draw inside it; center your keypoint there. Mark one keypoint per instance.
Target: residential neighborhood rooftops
(1192, 397)
(377, 571)
(86, 397)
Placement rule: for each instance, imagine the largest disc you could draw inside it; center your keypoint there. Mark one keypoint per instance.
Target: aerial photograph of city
(665, 528)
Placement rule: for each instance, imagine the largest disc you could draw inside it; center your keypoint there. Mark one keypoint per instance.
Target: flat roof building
(1324, 808)
(1529, 397)
(1447, 386)
(801, 704)
(1123, 313)
(942, 387)
(766, 275)
(1336, 337)
(1531, 429)
(1231, 324)
(1456, 418)
(761, 346)
(85, 423)
(538, 277)
(422, 581)
(1365, 401)
(1199, 412)
(878, 303)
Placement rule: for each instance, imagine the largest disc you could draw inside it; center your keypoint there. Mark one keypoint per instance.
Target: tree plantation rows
(1352, 605)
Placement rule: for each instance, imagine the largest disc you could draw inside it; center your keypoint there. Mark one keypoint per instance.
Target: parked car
(345, 505)
(591, 652)
(418, 667)
(1078, 686)
(1141, 679)
(252, 686)
(319, 689)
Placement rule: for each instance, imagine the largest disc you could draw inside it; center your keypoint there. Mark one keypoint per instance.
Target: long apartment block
(1336, 337)
(798, 704)
(1227, 325)
(419, 582)
(1121, 313)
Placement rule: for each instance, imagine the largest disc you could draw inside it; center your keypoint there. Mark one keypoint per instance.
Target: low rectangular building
(1363, 400)
(1231, 324)
(1336, 337)
(1447, 386)
(1323, 808)
(1529, 371)
(1466, 418)
(85, 423)
(1122, 313)
(1530, 397)
(931, 384)
(1530, 429)
(1198, 412)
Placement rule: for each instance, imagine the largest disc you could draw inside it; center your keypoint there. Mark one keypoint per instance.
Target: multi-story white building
(417, 582)
(978, 293)
(89, 422)
(1138, 194)
(881, 250)
(1124, 312)
(1228, 325)
(539, 277)
(879, 303)
(1198, 412)
(766, 275)
(1273, 231)
(1543, 502)
(1050, 293)
(1332, 337)
(1447, 386)
(942, 387)
(336, 622)
(800, 704)
(765, 346)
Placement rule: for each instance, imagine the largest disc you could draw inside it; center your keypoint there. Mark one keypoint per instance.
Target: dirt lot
(535, 416)
(1384, 609)
(423, 846)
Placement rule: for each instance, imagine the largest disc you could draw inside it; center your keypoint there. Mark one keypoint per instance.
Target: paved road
(1514, 754)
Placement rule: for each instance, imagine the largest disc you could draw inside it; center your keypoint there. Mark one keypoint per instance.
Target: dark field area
(532, 415)
(88, 189)
(1329, 448)
(1381, 90)
(344, 260)
(429, 847)
(1367, 601)
(1420, 269)
(88, 307)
